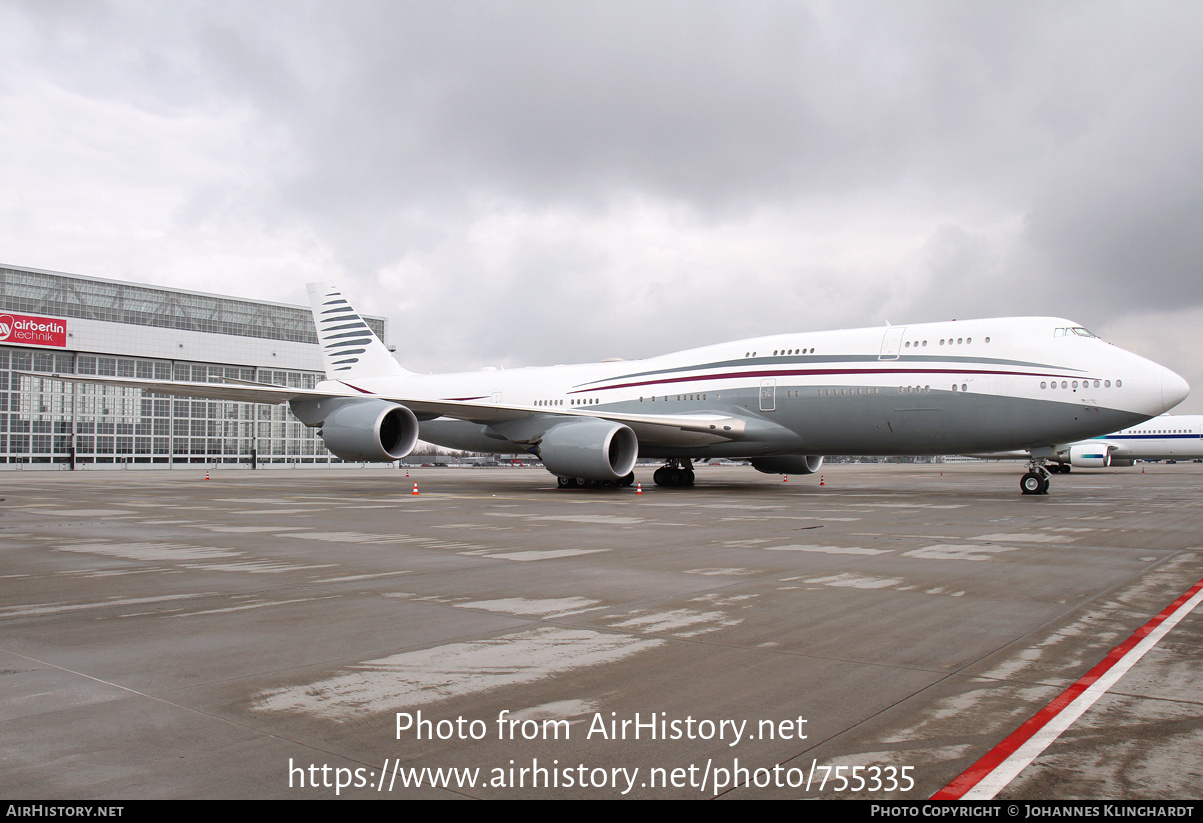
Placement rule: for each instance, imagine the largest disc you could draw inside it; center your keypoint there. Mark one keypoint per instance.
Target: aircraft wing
(661, 429)
(242, 391)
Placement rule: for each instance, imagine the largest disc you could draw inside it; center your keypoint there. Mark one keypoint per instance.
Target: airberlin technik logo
(35, 331)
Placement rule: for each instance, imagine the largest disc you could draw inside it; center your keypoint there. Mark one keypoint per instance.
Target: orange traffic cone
(785, 478)
(638, 488)
(206, 474)
(415, 494)
(821, 483)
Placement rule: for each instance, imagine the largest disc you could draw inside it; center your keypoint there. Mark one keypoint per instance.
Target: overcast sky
(524, 183)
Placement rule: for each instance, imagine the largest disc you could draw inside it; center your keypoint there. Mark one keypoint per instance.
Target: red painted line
(991, 760)
(693, 378)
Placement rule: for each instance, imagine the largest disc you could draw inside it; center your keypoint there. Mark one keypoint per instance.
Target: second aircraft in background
(1168, 437)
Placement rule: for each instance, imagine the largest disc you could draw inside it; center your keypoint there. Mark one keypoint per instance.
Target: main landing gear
(676, 473)
(1036, 479)
(582, 483)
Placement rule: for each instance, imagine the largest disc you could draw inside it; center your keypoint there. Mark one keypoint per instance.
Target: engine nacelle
(1090, 456)
(370, 430)
(788, 464)
(590, 448)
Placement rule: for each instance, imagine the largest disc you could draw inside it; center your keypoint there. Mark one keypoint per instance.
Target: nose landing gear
(1035, 481)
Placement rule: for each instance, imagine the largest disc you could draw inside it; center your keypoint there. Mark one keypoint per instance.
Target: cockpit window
(1073, 331)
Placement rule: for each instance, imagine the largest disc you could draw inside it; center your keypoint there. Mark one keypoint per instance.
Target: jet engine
(370, 430)
(788, 464)
(590, 448)
(1090, 456)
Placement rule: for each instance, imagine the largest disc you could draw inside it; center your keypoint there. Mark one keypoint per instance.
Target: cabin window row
(783, 352)
(1073, 384)
(943, 342)
(853, 392)
(664, 397)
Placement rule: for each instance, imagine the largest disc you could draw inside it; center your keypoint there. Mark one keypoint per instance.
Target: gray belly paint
(888, 423)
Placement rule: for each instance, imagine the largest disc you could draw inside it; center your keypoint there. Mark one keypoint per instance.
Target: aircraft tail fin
(350, 350)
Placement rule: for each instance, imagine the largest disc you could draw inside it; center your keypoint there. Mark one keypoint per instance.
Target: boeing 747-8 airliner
(782, 401)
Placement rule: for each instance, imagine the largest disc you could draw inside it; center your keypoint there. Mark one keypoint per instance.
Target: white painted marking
(826, 549)
(255, 566)
(271, 501)
(150, 551)
(59, 608)
(1026, 538)
(740, 506)
(273, 512)
(557, 607)
(249, 606)
(356, 577)
(732, 572)
(855, 581)
(915, 505)
(376, 687)
(555, 710)
(758, 518)
(537, 554)
(249, 529)
(604, 519)
(82, 512)
(676, 620)
(358, 537)
(948, 551)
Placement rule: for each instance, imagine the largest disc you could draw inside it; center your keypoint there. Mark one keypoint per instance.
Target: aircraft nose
(1173, 389)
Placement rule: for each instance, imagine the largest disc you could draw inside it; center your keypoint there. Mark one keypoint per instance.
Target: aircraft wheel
(1044, 484)
(688, 477)
(564, 482)
(676, 477)
(580, 482)
(1065, 467)
(661, 476)
(1032, 483)
(628, 480)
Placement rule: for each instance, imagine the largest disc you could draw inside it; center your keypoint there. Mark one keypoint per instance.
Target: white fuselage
(934, 387)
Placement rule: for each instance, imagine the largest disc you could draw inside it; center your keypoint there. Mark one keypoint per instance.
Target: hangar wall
(52, 322)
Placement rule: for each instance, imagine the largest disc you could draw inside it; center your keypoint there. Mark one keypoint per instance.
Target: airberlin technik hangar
(67, 324)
